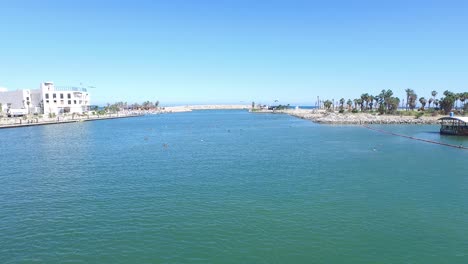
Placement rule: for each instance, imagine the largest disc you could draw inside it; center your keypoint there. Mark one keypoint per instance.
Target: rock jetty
(324, 117)
(189, 108)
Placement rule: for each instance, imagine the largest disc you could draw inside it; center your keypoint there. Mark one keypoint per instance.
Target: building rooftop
(70, 89)
(460, 118)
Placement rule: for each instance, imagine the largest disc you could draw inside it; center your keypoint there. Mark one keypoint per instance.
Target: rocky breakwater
(189, 108)
(324, 117)
(363, 118)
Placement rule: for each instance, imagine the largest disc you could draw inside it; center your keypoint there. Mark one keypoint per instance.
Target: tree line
(386, 103)
(124, 106)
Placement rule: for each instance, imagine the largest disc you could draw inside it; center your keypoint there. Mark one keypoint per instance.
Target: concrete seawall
(18, 122)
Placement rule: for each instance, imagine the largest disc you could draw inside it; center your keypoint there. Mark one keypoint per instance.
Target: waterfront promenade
(14, 122)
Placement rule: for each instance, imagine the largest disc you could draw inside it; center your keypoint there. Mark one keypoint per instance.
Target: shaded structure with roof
(451, 125)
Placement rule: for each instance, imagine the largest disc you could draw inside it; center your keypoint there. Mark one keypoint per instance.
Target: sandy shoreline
(324, 117)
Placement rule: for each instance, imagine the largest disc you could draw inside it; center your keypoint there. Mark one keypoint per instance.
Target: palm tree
(387, 102)
(423, 102)
(364, 99)
(434, 94)
(392, 104)
(327, 104)
(411, 98)
(370, 101)
(381, 100)
(387, 95)
(463, 97)
(350, 104)
(342, 101)
(457, 98)
(446, 103)
(408, 94)
(361, 104)
(377, 100)
(430, 102)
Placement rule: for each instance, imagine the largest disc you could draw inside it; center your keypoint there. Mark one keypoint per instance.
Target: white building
(17, 102)
(59, 99)
(48, 99)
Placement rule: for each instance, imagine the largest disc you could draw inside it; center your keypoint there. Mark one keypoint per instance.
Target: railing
(70, 89)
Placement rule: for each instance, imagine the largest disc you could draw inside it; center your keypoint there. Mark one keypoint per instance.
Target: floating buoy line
(415, 138)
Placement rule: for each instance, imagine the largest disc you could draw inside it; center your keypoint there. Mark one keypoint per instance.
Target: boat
(451, 125)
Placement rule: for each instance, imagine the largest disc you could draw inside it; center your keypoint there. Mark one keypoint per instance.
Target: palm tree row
(385, 103)
(119, 106)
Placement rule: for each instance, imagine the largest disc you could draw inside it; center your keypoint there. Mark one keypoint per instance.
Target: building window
(81, 101)
(69, 96)
(46, 96)
(47, 101)
(54, 96)
(55, 101)
(74, 101)
(69, 101)
(27, 98)
(61, 101)
(61, 96)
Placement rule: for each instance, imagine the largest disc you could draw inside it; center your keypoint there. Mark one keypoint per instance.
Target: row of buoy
(415, 138)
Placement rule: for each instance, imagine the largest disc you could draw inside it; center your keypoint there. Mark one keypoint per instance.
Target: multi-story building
(48, 99)
(61, 99)
(17, 102)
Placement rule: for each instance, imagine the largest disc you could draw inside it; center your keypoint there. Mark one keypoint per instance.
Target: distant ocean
(230, 187)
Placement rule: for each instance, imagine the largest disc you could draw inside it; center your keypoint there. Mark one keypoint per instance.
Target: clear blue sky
(240, 50)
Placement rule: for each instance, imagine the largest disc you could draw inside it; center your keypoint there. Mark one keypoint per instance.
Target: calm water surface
(230, 187)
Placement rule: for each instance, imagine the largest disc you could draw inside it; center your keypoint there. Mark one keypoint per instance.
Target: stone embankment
(12, 122)
(32, 120)
(324, 117)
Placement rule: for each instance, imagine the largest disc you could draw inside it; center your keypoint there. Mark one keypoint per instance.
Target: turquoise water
(230, 187)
